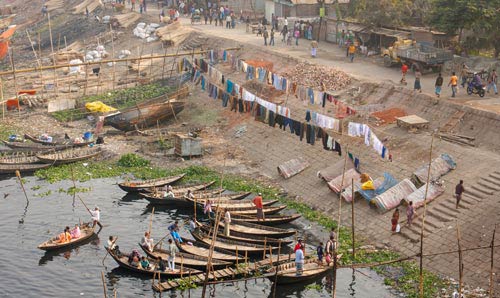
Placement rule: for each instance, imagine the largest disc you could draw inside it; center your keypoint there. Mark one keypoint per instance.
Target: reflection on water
(126, 216)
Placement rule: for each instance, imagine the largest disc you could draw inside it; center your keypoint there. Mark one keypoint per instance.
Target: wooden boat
(287, 273)
(138, 117)
(87, 231)
(239, 205)
(218, 253)
(54, 143)
(23, 168)
(270, 220)
(137, 186)
(35, 147)
(180, 190)
(247, 229)
(233, 202)
(160, 200)
(185, 259)
(122, 261)
(255, 239)
(268, 210)
(230, 245)
(18, 158)
(69, 156)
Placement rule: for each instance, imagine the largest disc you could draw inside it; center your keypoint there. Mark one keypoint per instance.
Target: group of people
(326, 253)
(410, 209)
(69, 234)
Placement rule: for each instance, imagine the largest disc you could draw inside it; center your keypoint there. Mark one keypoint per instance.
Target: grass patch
(118, 99)
(406, 282)
(6, 130)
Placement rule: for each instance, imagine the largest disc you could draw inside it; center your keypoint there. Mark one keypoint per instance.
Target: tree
(489, 23)
(381, 12)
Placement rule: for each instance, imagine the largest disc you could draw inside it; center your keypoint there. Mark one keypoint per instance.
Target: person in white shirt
(147, 241)
(169, 194)
(299, 260)
(227, 222)
(189, 195)
(96, 217)
(172, 250)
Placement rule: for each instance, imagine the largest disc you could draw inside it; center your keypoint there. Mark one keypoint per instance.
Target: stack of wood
(75, 46)
(144, 64)
(64, 57)
(54, 4)
(458, 139)
(33, 100)
(127, 19)
(91, 5)
(173, 34)
(311, 75)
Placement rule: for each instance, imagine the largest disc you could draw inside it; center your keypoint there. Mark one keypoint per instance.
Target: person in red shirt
(257, 201)
(404, 70)
(298, 245)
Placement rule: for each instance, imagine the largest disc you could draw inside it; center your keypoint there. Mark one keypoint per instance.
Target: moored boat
(218, 253)
(22, 168)
(268, 221)
(255, 239)
(186, 259)
(87, 231)
(137, 186)
(159, 199)
(287, 273)
(247, 229)
(34, 147)
(180, 190)
(230, 245)
(69, 156)
(268, 210)
(18, 158)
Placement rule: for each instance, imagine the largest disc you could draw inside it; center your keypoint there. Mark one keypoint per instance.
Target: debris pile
(146, 31)
(89, 5)
(54, 4)
(127, 19)
(63, 57)
(97, 54)
(173, 34)
(311, 75)
(388, 116)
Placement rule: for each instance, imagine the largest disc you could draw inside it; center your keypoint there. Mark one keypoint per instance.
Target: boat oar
(160, 240)
(151, 222)
(18, 175)
(107, 251)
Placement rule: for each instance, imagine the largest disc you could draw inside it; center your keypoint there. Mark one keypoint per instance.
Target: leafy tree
(381, 12)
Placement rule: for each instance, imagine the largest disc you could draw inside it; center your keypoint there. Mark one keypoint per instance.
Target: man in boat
(298, 245)
(299, 260)
(174, 231)
(111, 243)
(147, 241)
(65, 236)
(96, 217)
(189, 195)
(169, 194)
(144, 263)
(330, 249)
(76, 233)
(172, 250)
(257, 201)
(227, 222)
(207, 208)
(161, 264)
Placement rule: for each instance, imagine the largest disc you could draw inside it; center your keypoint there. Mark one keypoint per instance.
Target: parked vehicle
(422, 56)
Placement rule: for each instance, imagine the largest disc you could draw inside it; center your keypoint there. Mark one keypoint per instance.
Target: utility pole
(338, 16)
(321, 15)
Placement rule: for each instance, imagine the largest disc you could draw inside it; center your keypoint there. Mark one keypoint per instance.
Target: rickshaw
(196, 16)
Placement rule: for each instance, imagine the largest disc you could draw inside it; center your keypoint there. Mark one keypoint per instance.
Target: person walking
(257, 201)
(330, 249)
(492, 81)
(438, 85)
(265, 35)
(314, 48)
(459, 189)
(352, 51)
(299, 261)
(320, 252)
(410, 212)
(395, 220)
(271, 38)
(464, 74)
(418, 85)
(404, 70)
(454, 83)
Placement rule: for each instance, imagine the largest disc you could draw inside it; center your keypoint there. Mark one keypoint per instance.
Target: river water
(30, 272)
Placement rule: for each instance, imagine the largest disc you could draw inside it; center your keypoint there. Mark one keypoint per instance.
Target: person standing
(297, 35)
(271, 38)
(395, 220)
(257, 201)
(492, 81)
(147, 242)
(464, 74)
(352, 51)
(207, 208)
(265, 35)
(459, 189)
(314, 48)
(298, 245)
(227, 222)
(330, 249)
(174, 231)
(454, 83)
(417, 86)
(299, 261)
(172, 251)
(320, 252)
(404, 70)
(438, 85)
(410, 212)
(228, 21)
(96, 217)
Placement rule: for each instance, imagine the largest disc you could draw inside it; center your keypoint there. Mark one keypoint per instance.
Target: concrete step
(481, 189)
(410, 234)
(470, 197)
(492, 180)
(488, 185)
(473, 192)
(450, 212)
(428, 229)
(494, 176)
(439, 216)
(466, 203)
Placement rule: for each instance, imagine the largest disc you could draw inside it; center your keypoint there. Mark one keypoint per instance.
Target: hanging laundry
(356, 163)
(337, 148)
(310, 94)
(308, 115)
(229, 86)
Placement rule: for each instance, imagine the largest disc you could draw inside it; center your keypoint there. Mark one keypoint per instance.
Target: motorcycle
(474, 88)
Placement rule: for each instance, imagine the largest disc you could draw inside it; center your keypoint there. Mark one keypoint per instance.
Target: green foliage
(382, 12)
(44, 194)
(451, 16)
(74, 190)
(186, 283)
(314, 286)
(36, 187)
(133, 160)
(119, 99)
(6, 130)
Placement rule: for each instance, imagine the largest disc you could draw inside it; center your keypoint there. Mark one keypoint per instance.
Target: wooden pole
(265, 246)
(37, 59)
(18, 175)
(163, 66)
(276, 269)
(492, 258)
(11, 56)
(352, 220)
(139, 64)
(182, 265)
(39, 45)
(460, 263)
(421, 284)
(74, 184)
(151, 221)
(1, 98)
(86, 80)
(113, 49)
(53, 56)
(104, 285)
(236, 255)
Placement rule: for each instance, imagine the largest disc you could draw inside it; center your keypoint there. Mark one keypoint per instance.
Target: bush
(132, 160)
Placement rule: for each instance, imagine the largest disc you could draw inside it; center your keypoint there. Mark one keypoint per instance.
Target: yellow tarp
(98, 106)
(367, 185)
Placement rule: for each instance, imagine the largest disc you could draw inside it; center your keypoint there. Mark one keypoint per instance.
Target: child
(319, 250)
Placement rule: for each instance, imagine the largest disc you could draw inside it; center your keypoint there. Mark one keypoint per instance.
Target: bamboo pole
(182, 265)
(334, 282)
(11, 56)
(460, 263)
(151, 221)
(37, 59)
(18, 175)
(236, 256)
(1, 97)
(276, 269)
(421, 283)
(104, 285)
(163, 66)
(139, 63)
(53, 57)
(113, 49)
(352, 220)
(39, 45)
(264, 251)
(107, 252)
(49, 67)
(492, 258)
